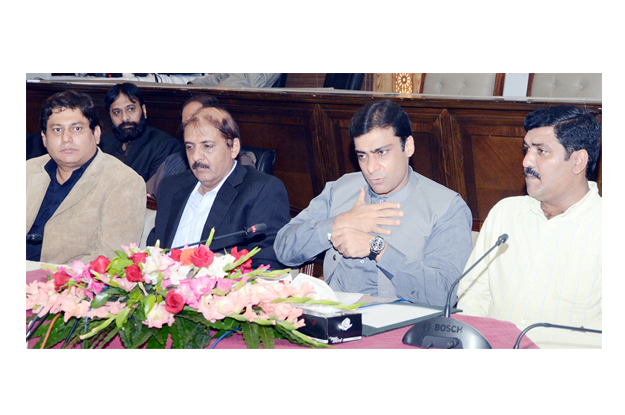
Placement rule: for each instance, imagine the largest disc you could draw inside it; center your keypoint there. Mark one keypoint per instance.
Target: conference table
(500, 334)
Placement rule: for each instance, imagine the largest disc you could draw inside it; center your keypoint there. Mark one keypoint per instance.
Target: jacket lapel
(223, 201)
(84, 185)
(181, 196)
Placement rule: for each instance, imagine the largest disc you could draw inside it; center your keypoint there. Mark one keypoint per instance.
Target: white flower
(216, 269)
(179, 274)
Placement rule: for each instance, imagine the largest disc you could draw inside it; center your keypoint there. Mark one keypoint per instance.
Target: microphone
(448, 333)
(247, 232)
(528, 328)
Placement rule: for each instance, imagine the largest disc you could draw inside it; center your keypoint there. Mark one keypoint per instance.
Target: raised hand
(368, 218)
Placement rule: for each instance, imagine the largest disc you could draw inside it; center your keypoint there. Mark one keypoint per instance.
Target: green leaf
(121, 317)
(250, 335)
(266, 336)
(148, 303)
(96, 330)
(100, 299)
(187, 334)
(59, 331)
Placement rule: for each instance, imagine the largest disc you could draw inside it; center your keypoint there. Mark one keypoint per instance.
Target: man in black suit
(219, 192)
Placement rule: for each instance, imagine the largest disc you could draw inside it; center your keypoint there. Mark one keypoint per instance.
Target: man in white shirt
(550, 269)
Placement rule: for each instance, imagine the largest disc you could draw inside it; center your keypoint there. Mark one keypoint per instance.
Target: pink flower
(159, 316)
(124, 283)
(157, 262)
(224, 284)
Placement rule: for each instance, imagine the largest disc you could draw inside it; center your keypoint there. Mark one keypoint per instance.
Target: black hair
(132, 91)
(206, 101)
(69, 99)
(381, 114)
(575, 128)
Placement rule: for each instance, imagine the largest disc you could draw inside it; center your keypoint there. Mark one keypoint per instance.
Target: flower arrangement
(190, 295)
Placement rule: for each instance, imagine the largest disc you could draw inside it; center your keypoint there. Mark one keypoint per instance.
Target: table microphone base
(445, 333)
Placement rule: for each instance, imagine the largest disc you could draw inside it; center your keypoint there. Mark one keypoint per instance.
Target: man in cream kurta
(549, 270)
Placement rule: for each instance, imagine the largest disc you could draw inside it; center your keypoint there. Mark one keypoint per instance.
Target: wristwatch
(377, 244)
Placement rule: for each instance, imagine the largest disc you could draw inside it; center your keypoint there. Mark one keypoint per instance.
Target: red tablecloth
(500, 334)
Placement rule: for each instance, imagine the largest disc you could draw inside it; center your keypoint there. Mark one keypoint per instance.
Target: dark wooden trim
(530, 81)
(500, 79)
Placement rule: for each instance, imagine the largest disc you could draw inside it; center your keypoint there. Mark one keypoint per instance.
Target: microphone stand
(247, 232)
(528, 328)
(446, 332)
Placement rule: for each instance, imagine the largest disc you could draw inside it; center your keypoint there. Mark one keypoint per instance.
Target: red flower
(175, 254)
(133, 273)
(99, 264)
(60, 279)
(202, 256)
(138, 258)
(247, 265)
(174, 302)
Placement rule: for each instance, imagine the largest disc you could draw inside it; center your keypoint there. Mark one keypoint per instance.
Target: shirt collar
(196, 190)
(398, 195)
(593, 190)
(51, 168)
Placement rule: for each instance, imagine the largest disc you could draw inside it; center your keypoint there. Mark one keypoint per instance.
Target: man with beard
(549, 270)
(219, 192)
(138, 145)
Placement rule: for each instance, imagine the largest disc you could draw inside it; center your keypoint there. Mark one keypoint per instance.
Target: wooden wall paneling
(287, 129)
(383, 82)
(471, 145)
(452, 168)
(492, 157)
(500, 79)
(327, 152)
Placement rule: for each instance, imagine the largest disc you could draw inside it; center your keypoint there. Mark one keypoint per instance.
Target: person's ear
(580, 161)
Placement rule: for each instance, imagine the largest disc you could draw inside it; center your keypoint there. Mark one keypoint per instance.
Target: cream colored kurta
(105, 209)
(548, 271)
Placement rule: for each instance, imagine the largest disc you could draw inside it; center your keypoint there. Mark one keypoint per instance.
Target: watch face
(377, 244)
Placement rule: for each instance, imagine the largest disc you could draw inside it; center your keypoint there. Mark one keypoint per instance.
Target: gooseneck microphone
(501, 240)
(448, 333)
(247, 232)
(528, 328)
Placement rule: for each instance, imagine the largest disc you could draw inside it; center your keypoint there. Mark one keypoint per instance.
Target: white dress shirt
(195, 214)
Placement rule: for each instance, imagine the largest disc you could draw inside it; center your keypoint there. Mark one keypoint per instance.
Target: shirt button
(362, 261)
(334, 258)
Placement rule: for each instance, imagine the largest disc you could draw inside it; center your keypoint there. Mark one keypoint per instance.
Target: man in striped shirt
(549, 271)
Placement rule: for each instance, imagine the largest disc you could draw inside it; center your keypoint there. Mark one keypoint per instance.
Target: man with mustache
(550, 268)
(219, 192)
(80, 202)
(386, 231)
(133, 141)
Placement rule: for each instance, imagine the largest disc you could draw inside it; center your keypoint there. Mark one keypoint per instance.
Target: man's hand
(352, 243)
(367, 218)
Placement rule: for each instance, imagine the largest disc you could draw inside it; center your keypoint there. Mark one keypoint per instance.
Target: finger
(361, 197)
